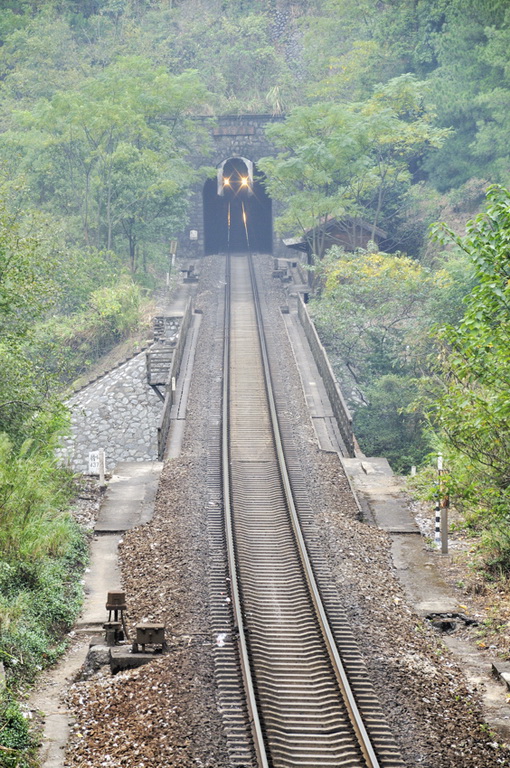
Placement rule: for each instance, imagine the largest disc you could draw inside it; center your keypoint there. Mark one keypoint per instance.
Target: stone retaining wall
(118, 413)
(166, 328)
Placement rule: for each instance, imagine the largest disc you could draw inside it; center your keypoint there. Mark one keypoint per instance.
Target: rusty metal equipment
(116, 630)
(150, 634)
(112, 632)
(190, 276)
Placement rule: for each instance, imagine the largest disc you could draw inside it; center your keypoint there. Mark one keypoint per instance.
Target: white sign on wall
(94, 463)
(97, 463)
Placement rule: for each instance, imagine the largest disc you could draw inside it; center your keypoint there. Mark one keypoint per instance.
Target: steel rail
(258, 737)
(345, 687)
(264, 673)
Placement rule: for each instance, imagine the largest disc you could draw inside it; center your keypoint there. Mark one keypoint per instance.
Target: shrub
(70, 344)
(15, 736)
(42, 552)
(39, 602)
(495, 548)
(384, 427)
(116, 310)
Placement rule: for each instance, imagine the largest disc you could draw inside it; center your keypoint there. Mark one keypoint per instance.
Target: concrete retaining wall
(175, 368)
(338, 404)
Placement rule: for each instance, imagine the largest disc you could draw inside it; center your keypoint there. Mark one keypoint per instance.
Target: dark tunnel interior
(240, 219)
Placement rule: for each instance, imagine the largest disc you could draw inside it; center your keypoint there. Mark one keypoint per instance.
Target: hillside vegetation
(396, 114)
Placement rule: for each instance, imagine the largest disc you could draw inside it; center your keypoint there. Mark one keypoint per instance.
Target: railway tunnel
(237, 210)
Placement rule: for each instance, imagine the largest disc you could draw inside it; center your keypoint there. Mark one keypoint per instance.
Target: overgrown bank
(422, 353)
(93, 182)
(42, 556)
(61, 308)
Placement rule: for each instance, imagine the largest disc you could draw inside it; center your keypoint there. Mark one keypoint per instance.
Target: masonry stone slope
(119, 413)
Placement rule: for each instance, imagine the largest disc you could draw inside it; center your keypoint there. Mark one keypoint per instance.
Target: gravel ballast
(165, 714)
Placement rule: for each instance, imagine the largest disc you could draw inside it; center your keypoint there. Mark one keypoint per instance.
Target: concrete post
(444, 504)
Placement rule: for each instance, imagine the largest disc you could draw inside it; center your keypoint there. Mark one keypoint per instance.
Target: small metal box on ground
(149, 634)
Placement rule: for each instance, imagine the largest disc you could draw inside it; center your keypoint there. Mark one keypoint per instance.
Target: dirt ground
(485, 600)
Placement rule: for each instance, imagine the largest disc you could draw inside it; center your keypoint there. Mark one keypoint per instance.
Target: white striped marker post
(437, 529)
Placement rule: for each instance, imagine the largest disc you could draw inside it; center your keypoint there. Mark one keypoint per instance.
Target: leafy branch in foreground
(472, 411)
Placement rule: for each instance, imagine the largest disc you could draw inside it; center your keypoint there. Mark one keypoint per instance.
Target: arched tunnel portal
(237, 210)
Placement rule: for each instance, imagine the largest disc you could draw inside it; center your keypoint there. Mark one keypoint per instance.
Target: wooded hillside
(396, 113)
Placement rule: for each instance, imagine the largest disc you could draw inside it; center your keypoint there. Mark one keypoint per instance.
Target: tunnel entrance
(237, 210)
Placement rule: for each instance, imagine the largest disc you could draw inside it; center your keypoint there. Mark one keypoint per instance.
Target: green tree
(493, 124)
(352, 46)
(110, 154)
(472, 409)
(39, 58)
(322, 158)
(349, 160)
(28, 290)
(237, 55)
(459, 46)
(372, 315)
(386, 426)
(471, 66)
(371, 312)
(27, 285)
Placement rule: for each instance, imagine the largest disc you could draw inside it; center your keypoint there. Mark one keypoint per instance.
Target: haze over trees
(350, 159)
(396, 112)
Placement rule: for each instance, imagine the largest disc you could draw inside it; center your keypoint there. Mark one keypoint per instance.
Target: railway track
(304, 710)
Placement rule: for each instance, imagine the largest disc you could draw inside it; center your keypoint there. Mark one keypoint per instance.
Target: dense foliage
(458, 46)
(350, 159)
(42, 554)
(423, 356)
(471, 410)
(93, 181)
(374, 314)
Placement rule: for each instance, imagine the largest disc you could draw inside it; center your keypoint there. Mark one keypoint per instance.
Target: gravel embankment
(165, 714)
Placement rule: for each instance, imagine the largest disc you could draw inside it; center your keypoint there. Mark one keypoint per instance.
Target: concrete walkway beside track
(416, 566)
(317, 400)
(129, 502)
